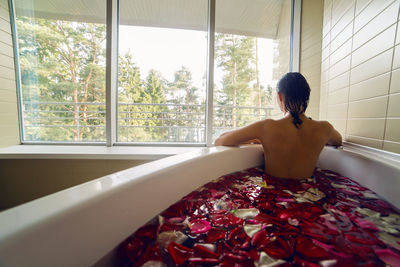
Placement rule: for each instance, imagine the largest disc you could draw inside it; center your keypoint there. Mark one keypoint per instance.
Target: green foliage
(62, 62)
(235, 55)
(63, 87)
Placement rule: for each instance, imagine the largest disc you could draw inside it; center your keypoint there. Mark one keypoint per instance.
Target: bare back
(290, 152)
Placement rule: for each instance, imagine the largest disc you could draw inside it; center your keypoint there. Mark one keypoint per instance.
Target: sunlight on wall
(310, 51)
(360, 71)
(8, 98)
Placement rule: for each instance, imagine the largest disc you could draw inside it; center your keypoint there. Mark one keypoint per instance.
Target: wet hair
(296, 91)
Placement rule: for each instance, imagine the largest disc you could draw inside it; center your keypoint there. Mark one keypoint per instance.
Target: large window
(244, 53)
(62, 71)
(161, 71)
(162, 93)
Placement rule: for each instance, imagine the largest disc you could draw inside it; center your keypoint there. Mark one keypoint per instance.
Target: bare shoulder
(269, 121)
(334, 137)
(268, 124)
(324, 125)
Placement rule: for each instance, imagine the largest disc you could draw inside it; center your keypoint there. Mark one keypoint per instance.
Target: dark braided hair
(296, 91)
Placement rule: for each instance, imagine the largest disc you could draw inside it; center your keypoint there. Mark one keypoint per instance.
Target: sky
(166, 50)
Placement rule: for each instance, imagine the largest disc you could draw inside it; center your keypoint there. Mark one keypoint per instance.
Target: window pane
(162, 70)
(252, 44)
(62, 62)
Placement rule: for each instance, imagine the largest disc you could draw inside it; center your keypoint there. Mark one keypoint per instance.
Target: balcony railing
(137, 122)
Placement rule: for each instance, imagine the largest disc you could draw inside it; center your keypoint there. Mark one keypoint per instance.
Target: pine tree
(155, 114)
(235, 55)
(64, 62)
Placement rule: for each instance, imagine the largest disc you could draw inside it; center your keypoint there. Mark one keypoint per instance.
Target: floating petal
(388, 257)
(370, 195)
(267, 261)
(154, 264)
(199, 226)
(390, 239)
(328, 263)
(246, 213)
(334, 185)
(252, 229)
(165, 238)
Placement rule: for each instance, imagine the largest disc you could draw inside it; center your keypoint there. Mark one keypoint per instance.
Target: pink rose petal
(199, 226)
(388, 257)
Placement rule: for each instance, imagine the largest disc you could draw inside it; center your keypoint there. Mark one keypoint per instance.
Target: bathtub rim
(376, 154)
(20, 225)
(16, 232)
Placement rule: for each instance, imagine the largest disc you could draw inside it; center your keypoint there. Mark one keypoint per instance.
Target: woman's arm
(243, 135)
(335, 138)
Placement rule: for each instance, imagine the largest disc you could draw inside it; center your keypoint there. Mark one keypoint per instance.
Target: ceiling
(245, 17)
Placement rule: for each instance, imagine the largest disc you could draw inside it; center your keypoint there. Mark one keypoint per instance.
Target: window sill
(91, 152)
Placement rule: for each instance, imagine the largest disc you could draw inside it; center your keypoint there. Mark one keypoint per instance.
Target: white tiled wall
(310, 51)
(9, 131)
(360, 71)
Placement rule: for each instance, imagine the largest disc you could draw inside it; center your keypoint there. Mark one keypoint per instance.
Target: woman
(292, 144)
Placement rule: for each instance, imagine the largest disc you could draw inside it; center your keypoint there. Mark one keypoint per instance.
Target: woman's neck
(301, 115)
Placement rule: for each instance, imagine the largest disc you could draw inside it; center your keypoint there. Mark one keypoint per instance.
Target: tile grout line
(376, 75)
(330, 52)
(364, 137)
(348, 91)
(391, 72)
(370, 1)
(372, 39)
(363, 25)
(373, 16)
(328, 46)
(350, 54)
(329, 63)
(360, 100)
(364, 119)
(344, 13)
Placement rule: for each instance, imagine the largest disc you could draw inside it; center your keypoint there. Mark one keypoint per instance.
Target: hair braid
(296, 91)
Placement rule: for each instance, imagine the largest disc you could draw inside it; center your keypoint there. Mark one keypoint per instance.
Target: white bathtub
(81, 225)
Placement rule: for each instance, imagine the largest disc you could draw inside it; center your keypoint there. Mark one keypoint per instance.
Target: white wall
(310, 51)
(9, 129)
(360, 71)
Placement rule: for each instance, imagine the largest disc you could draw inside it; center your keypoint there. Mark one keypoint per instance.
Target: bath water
(251, 219)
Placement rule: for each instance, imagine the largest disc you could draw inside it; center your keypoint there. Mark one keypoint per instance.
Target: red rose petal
(278, 248)
(301, 262)
(152, 253)
(364, 238)
(199, 226)
(201, 252)
(203, 261)
(289, 230)
(230, 259)
(174, 220)
(260, 239)
(179, 253)
(215, 234)
(309, 250)
(134, 248)
(238, 237)
(171, 227)
(225, 220)
(147, 233)
(388, 257)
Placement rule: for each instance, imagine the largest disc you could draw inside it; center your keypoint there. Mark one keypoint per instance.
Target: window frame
(111, 126)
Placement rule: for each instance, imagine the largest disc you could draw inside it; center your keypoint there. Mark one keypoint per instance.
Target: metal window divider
(112, 71)
(20, 106)
(210, 72)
